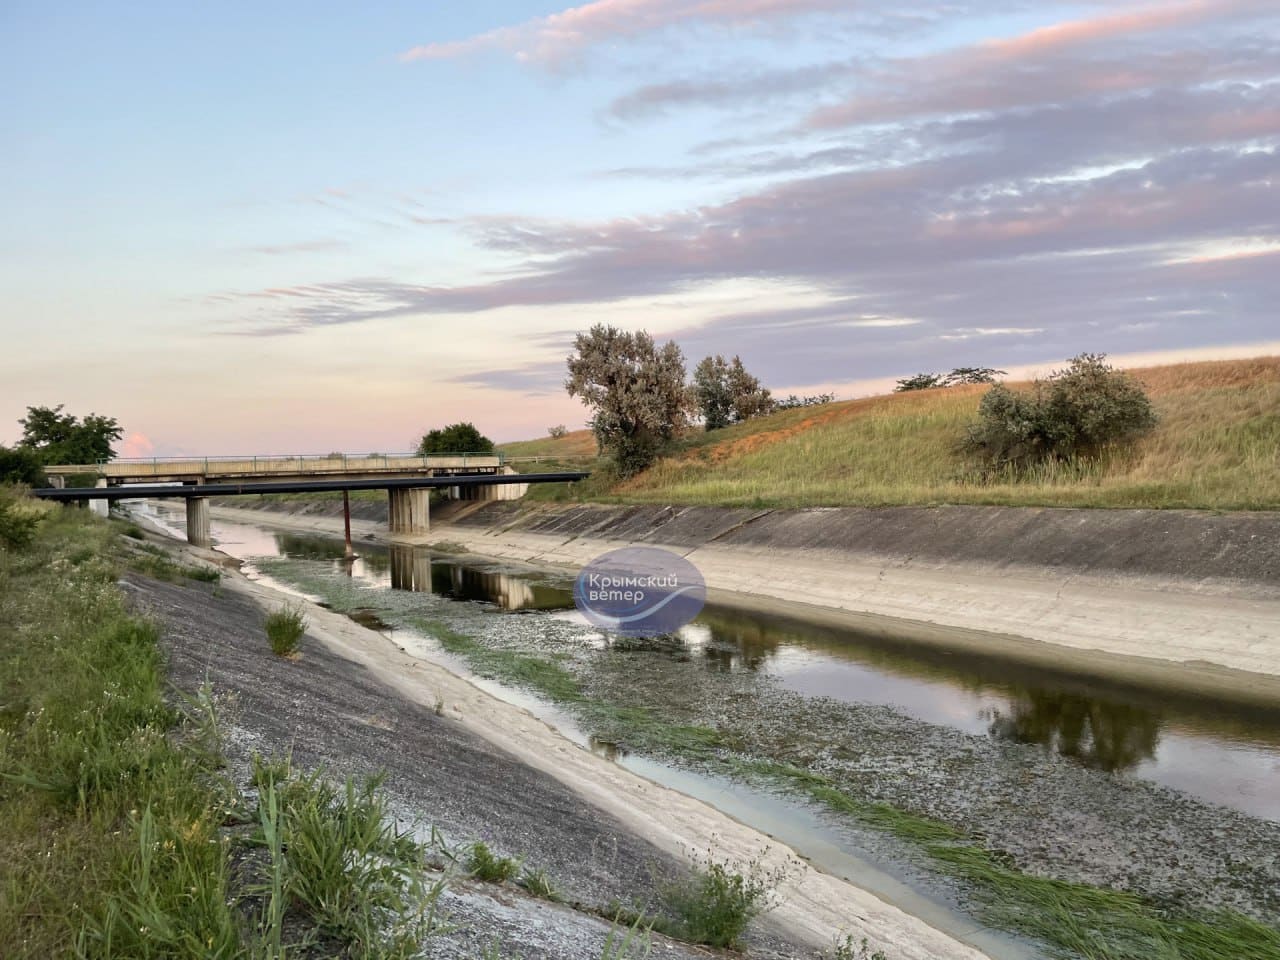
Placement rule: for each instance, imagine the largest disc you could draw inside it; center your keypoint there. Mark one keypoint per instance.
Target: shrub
(285, 628)
(485, 865)
(716, 904)
(17, 526)
(791, 401)
(20, 465)
(1078, 411)
(558, 431)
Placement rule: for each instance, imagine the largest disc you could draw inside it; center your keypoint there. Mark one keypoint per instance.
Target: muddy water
(1220, 752)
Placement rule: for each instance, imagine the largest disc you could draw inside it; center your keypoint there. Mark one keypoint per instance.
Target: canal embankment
(481, 766)
(1185, 598)
(1035, 813)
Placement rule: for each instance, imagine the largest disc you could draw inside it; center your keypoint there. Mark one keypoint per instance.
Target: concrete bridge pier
(409, 511)
(100, 507)
(198, 522)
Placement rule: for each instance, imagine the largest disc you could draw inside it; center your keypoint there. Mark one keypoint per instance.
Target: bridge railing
(274, 462)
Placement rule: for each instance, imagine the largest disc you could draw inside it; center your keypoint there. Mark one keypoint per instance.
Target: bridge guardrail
(275, 461)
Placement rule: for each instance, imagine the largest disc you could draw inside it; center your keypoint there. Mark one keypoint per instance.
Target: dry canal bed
(859, 752)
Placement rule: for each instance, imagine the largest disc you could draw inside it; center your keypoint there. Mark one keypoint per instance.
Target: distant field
(1217, 446)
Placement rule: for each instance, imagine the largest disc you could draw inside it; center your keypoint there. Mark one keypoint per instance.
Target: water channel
(1218, 752)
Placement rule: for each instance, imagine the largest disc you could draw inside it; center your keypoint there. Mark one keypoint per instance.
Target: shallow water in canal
(1220, 752)
(1172, 796)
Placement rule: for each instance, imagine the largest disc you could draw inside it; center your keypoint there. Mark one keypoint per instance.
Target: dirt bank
(1184, 597)
(479, 767)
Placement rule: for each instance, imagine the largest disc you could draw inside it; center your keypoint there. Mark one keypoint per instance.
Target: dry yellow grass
(1217, 446)
(578, 443)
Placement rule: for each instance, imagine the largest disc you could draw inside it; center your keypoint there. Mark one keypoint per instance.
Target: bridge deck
(210, 468)
(204, 490)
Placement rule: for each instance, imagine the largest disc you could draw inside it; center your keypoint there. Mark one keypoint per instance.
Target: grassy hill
(579, 443)
(1217, 446)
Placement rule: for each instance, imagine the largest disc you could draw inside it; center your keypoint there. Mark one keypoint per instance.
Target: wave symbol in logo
(640, 591)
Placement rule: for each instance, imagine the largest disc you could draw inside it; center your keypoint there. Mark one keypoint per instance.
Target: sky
(293, 228)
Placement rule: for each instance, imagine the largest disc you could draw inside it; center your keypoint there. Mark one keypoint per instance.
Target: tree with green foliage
(711, 388)
(958, 376)
(20, 465)
(726, 393)
(962, 375)
(1078, 411)
(57, 437)
(920, 381)
(637, 393)
(455, 438)
(749, 398)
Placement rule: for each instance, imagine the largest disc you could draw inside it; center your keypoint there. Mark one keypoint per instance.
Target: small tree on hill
(711, 389)
(57, 437)
(636, 391)
(558, 431)
(455, 438)
(1077, 411)
(750, 399)
(921, 381)
(972, 375)
(726, 393)
(958, 376)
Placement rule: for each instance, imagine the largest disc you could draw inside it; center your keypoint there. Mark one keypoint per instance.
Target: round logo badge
(640, 591)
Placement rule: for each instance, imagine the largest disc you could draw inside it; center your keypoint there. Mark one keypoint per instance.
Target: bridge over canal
(407, 478)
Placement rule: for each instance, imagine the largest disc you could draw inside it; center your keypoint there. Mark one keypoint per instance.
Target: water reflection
(1105, 725)
(1218, 750)
(1107, 734)
(410, 569)
(1098, 733)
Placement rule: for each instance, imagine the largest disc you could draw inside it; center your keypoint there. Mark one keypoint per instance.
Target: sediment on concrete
(476, 766)
(1187, 597)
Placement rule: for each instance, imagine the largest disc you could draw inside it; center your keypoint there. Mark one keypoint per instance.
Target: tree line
(641, 397)
(51, 436)
(641, 401)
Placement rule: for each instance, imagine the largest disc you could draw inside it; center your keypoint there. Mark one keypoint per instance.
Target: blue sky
(304, 227)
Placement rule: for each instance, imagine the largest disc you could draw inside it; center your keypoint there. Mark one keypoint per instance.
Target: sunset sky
(303, 227)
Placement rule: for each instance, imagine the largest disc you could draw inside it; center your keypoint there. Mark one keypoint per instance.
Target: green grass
(152, 561)
(1215, 447)
(336, 854)
(536, 673)
(640, 727)
(285, 628)
(117, 823)
(108, 821)
(1075, 920)
(484, 864)
(540, 884)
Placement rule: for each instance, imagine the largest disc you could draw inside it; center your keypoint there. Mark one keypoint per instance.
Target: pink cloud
(1051, 65)
(551, 38)
(1077, 32)
(136, 446)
